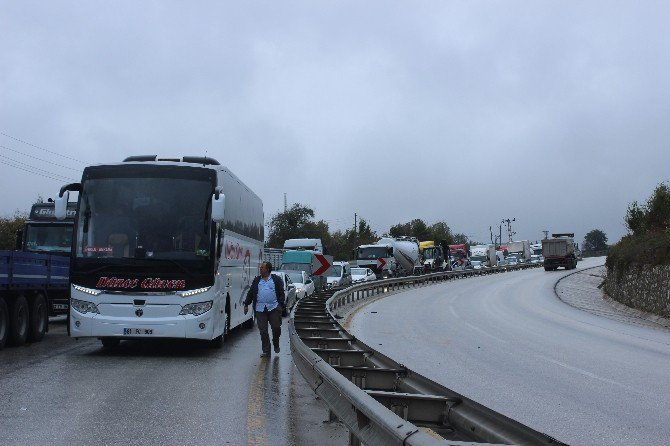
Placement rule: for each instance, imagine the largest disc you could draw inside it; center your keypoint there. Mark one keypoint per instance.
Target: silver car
(362, 275)
(289, 290)
(304, 286)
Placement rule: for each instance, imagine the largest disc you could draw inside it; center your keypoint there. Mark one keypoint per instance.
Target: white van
(306, 244)
(339, 275)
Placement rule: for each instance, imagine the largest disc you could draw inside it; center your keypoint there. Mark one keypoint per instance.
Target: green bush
(653, 216)
(648, 241)
(8, 228)
(652, 248)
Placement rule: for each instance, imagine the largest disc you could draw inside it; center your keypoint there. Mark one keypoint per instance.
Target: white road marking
(588, 374)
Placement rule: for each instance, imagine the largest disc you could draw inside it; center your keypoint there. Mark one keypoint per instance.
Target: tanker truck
(390, 257)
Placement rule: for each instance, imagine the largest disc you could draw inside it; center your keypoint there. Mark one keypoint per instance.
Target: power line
(36, 170)
(41, 148)
(35, 173)
(39, 159)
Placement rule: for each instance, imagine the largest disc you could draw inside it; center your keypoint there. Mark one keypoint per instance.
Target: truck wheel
(38, 318)
(4, 322)
(19, 315)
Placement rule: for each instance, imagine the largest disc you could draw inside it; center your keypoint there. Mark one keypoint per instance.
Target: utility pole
(285, 202)
(500, 234)
(355, 224)
(510, 233)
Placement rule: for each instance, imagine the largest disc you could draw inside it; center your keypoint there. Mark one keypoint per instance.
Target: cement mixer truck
(390, 257)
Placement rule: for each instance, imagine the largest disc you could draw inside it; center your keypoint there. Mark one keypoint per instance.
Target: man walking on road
(267, 296)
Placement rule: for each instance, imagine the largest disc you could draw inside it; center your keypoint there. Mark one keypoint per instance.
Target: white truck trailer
(520, 249)
(485, 254)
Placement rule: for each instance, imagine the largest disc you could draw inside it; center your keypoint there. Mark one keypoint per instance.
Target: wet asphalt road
(63, 392)
(509, 343)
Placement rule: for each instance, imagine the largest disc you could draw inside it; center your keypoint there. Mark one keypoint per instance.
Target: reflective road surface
(509, 343)
(62, 392)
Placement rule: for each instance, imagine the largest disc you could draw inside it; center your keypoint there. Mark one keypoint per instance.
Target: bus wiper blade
(101, 268)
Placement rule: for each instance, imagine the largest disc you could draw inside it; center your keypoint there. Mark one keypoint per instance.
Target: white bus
(162, 248)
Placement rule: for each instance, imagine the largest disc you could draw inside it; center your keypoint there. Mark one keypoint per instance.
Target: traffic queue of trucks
(34, 278)
(136, 257)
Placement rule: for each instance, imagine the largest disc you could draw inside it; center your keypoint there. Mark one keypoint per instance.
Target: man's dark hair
(268, 265)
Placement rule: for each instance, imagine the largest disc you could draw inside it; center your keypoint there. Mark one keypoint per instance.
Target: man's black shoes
(265, 355)
(277, 348)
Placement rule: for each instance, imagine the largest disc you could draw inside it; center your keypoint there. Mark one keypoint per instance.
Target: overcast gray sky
(469, 112)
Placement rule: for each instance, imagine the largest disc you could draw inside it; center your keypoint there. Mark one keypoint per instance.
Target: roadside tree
(595, 240)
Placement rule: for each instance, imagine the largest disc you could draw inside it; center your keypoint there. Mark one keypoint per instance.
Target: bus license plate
(138, 331)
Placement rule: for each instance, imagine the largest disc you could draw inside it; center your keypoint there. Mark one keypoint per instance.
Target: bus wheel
(110, 343)
(18, 317)
(217, 342)
(38, 318)
(226, 328)
(4, 322)
(248, 324)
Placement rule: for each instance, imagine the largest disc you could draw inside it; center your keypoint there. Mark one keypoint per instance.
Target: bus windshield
(145, 218)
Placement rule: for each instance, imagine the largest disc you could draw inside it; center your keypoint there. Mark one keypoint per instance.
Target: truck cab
(43, 233)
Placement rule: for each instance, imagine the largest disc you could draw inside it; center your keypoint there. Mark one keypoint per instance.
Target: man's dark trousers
(274, 318)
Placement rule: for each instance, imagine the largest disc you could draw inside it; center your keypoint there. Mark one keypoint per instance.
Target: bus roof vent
(140, 158)
(200, 160)
(204, 160)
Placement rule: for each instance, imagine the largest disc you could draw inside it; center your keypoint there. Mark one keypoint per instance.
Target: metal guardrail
(381, 401)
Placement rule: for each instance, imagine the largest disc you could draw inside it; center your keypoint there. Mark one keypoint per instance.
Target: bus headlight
(196, 309)
(84, 307)
(190, 293)
(90, 291)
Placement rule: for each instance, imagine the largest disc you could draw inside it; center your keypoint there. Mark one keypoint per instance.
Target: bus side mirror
(218, 207)
(60, 206)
